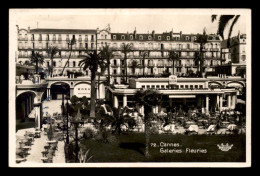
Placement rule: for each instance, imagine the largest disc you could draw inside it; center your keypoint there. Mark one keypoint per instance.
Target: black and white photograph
(129, 87)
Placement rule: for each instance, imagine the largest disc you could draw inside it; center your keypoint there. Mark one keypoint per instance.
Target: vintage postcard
(129, 87)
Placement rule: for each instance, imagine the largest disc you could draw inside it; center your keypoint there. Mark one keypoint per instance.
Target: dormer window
(141, 37)
(168, 37)
(159, 37)
(149, 37)
(195, 38)
(187, 38)
(114, 36)
(131, 37)
(122, 37)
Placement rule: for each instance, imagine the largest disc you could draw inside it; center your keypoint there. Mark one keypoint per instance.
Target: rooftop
(63, 31)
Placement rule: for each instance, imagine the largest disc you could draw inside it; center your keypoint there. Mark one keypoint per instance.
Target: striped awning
(182, 96)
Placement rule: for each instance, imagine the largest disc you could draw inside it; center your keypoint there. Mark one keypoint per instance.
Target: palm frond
(213, 18)
(223, 21)
(231, 29)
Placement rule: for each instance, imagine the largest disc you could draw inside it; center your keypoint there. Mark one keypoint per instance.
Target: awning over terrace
(182, 96)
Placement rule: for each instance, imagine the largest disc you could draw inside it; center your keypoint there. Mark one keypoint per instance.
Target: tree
(92, 61)
(52, 51)
(117, 118)
(173, 56)
(72, 42)
(134, 65)
(36, 58)
(144, 55)
(107, 53)
(148, 99)
(202, 39)
(223, 22)
(125, 49)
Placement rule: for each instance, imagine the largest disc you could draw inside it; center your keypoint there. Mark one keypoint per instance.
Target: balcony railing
(23, 39)
(23, 55)
(188, 65)
(116, 65)
(214, 49)
(179, 65)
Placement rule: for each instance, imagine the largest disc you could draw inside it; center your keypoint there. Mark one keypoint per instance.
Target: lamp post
(62, 104)
(76, 121)
(67, 137)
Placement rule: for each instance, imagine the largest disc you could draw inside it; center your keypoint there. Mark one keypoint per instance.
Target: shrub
(105, 137)
(89, 133)
(154, 130)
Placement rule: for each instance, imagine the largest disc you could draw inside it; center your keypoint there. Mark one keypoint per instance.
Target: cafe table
(44, 159)
(44, 153)
(51, 142)
(19, 160)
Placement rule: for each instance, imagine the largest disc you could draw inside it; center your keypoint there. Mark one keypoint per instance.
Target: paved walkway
(60, 154)
(35, 153)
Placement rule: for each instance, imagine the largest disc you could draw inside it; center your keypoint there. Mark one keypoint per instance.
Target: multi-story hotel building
(157, 46)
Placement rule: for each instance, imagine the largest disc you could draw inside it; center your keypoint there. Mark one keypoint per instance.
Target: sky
(126, 20)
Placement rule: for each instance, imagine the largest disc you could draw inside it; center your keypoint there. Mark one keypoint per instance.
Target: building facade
(157, 46)
(207, 94)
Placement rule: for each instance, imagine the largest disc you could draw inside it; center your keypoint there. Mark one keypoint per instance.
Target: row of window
(172, 86)
(60, 46)
(150, 37)
(54, 37)
(69, 64)
(213, 46)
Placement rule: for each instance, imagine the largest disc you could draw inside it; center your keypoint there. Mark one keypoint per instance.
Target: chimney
(17, 28)
(28, 29)
(153, 34)
(135, 33)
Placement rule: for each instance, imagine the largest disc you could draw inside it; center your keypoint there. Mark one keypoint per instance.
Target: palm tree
(92, 61)
(148, 99)
(125, 49)
(173, 56)
(52, 51)
(144, 54)
(202, 39)
(107, 53)
(36, 58)
(118, 118)
(72, 42)
(223, 23)
(134, 65)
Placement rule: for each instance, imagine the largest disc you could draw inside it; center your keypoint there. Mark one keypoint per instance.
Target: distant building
(39, 40)
(233, 57)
